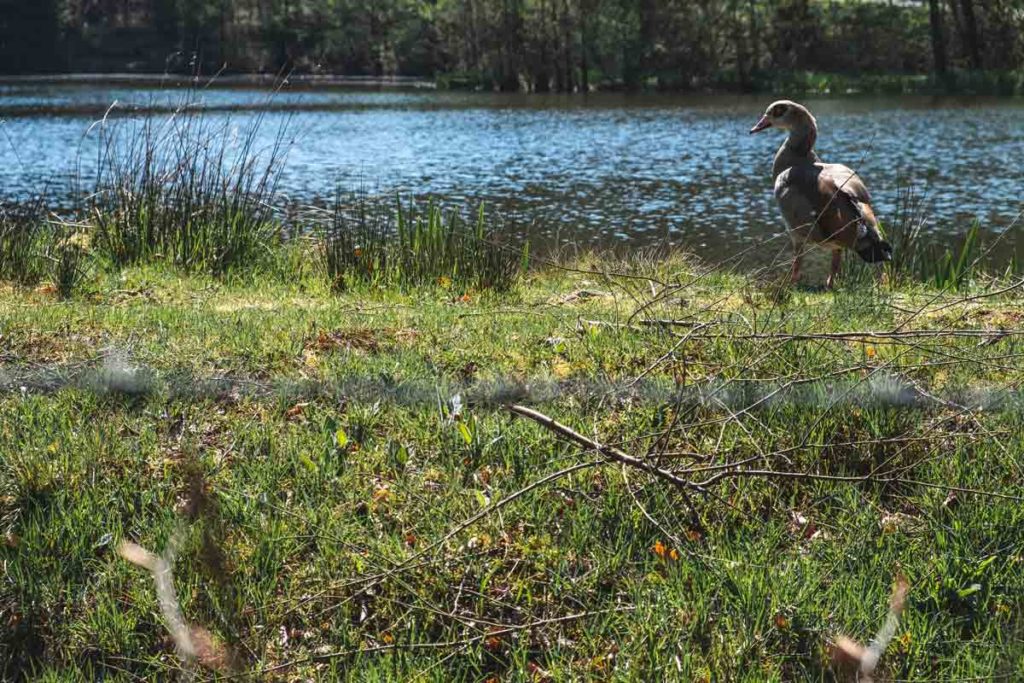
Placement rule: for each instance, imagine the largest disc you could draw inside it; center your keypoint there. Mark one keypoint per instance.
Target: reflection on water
(598, 169)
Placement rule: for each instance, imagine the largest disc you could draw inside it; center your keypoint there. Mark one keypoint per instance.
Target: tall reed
(356, 241)
(917, 257)
(188, 188)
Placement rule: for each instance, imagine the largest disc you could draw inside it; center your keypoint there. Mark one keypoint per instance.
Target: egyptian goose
(824, 204)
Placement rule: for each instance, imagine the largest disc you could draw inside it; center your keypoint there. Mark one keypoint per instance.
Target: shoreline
(959, 83)
(220, 81)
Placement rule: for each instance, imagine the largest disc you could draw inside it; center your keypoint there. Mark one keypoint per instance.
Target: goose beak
(761, 125)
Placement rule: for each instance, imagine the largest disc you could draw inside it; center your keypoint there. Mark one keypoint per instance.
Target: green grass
(306, 448)
(365, 241)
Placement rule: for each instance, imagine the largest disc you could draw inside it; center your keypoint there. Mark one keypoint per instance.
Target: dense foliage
(538, 45)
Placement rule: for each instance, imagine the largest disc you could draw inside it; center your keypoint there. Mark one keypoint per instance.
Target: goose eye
(778, 111)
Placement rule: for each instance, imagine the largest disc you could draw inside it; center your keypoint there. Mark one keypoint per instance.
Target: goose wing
(825, 203)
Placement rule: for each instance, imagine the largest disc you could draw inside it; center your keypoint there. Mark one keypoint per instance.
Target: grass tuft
(917, 257)
(187, 189)
(21, 231)
(367, 241)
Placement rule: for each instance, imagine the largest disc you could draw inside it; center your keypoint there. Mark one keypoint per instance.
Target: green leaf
(308, 462)
(467, 435)
(985, 563)
(341, 438)
(399, 455)
(970, 590)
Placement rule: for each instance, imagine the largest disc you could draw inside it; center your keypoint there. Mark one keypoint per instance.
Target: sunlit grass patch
(348, 497)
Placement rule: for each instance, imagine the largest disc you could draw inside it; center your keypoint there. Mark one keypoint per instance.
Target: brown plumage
(824, 204)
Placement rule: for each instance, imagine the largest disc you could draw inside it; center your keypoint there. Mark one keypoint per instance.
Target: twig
(440, 645)
(609, 452)
(865, 336)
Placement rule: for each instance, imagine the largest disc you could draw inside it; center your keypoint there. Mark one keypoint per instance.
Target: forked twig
(609, 452)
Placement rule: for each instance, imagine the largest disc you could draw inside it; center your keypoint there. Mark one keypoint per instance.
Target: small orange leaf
(387, 638)
(659, 549)
(295, 411)
(673, 554)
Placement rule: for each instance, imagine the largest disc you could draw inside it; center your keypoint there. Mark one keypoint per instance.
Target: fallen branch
(865, 336)
(638, 325)
(617, 455)
(609, 452)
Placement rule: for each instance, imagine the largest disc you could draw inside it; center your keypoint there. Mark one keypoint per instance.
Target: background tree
(539, 45)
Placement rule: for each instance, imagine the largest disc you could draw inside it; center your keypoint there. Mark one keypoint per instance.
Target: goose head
(787, 115)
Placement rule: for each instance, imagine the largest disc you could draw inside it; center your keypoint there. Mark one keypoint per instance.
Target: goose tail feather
(871, 246)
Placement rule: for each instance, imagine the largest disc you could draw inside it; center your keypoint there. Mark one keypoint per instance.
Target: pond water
(599, 170)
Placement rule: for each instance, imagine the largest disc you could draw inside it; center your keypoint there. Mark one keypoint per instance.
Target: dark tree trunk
(755, 35)
(971, 34)
(585, 9)
(649, 31)
(742, 44)
(567, 62)
(938, 38)
(511, 46)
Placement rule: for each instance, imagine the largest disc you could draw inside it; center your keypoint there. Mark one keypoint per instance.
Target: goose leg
(837, 257)
(794, 273)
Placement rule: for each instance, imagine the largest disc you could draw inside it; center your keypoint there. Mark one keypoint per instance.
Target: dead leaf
(296, 411)
(357, 339)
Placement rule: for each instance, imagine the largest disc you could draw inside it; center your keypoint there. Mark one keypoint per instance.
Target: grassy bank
(955, 82)
(347, 496)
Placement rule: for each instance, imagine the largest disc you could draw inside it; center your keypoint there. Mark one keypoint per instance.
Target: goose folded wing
(835, 200)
